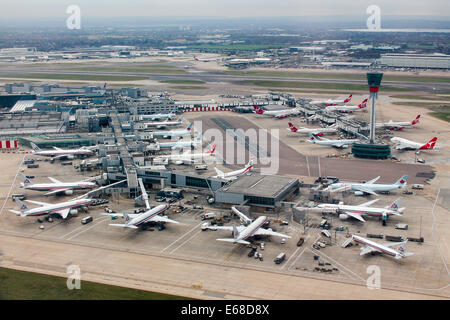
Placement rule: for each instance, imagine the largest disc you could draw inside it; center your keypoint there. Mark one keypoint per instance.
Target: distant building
(426, 61)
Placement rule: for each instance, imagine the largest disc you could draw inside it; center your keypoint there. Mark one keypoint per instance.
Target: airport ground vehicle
(86, 220)
(170, 193)
(33, 166)
(262, 245)
(280, 258)
(417, 186)
(300, 241)
(18, 196)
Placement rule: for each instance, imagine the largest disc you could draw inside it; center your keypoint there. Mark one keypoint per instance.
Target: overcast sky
(222, 8)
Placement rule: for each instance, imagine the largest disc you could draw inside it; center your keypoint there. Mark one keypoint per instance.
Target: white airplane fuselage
(61, 185)
(51, 208)
(369, 211)
(146, 216)
(377, 246)
(250, 230)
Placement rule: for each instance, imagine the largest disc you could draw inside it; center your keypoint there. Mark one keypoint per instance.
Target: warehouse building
(426, 61)
(258, 190)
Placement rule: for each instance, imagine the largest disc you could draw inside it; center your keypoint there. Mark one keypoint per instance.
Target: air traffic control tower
(372, 150)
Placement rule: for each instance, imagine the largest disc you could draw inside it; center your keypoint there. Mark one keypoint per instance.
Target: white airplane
(176, 145)
(315, 131)
(175, 133)
(344, 143)
(277, 113)
(347, 109)
(370, 187)
(164, 124)
(374, 247)
(134, 220)
(58, 153)
(62, 208)
(57, 187)
(330, 102)
(233, 174)
(158, 116)
(391, 125)
(243, 232)
(364, 209)
(206, 59)
(404, 144)
(188, 157)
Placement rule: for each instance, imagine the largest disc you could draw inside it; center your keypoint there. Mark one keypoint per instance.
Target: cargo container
(280, 258)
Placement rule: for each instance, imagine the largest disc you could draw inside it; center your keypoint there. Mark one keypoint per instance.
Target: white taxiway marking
(12, 184)
(77, 234)
(184, 235)
(307, 165)
(194, 235)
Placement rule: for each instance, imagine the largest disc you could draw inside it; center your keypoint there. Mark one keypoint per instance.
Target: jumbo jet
(317, 131)
(164, 124)
(391, 125)
(330, 102)
(136, 220)
(347, 109)
(374, 247)
(158, 116)
(364, 209)
(277, 113)
(176, 145)
(206, 59)
(369, 187)
(62, 208)
(404, 144)
(343, 143)
(243, 232)
(57, 187)
(174, 133)
(188, 157)
(58, 153)
(234, 174)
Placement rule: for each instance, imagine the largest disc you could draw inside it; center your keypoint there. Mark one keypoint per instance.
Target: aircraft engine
(69, 192)
(359, 193)
(343, 216)
(178, 162)
(73, 211)
(399, 128)
(70, 157)
(391, 128)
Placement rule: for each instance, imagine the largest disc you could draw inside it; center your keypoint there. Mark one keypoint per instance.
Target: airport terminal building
(258, 190)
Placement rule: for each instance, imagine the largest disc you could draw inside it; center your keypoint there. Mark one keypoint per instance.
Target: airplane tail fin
(22, 206)
(416, 120)
(126, 217)
(429, 145)
(249, 164)
(402, 181)
(198, 139)
(402, 250)
(189, 127)
(312, 137)
(211, 151)
(292, 127)
(235, 232)
(348, 99)
(25, 180)
(395, 205)
(363, 104)
(35, 147)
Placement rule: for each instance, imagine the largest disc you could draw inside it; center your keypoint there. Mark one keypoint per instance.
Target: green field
(316, 85)
(413, 97)
(441, 115)
(183, 81)
(87, 77)
(188, 87)
(136, 68)
(239, 47)
(20, 285)
(344, 76)
(418, 104)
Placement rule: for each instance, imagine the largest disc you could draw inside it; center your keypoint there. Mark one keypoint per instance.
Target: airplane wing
(241, 215)
(269, 232)
(54, 180)
(366, 250)
(38, 202)
(355, 215)
(373, 180)
(60, 156)
(63, 213)
(163, 219)
(366, 190)
(392, 244)
(123, 225)
(56, 191)
(368, 203)
(227, 228)
(120, 215)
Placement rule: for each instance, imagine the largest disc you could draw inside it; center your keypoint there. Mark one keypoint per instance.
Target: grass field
(240, 47)
(418, 104)
(141, 68)
(441, 115)
(20, 285)
(317, 85)
(413, 97)
(87, 77)
(344, 76)
(188, 87)
(183, 81)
